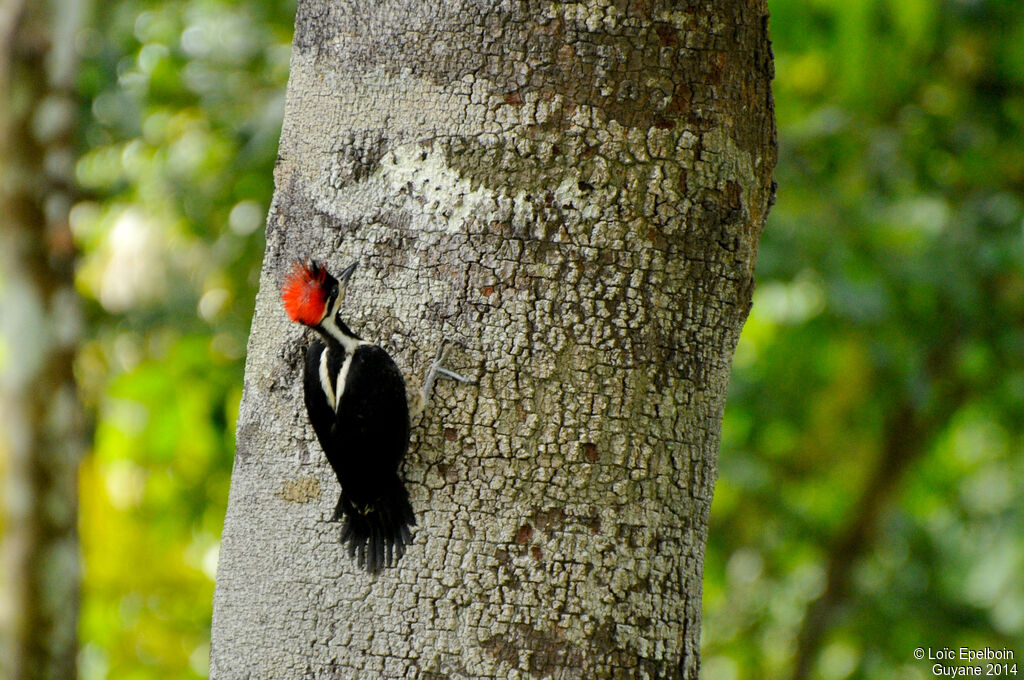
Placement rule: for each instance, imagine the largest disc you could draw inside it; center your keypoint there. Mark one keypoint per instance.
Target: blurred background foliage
(868, 499)
(182, 103)
(869, 493)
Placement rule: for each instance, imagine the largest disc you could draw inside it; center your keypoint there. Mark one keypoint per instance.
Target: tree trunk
(40, 324)
(573, 194)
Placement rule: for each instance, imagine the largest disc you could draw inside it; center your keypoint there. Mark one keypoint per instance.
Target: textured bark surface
(41, 424)
(573, 192)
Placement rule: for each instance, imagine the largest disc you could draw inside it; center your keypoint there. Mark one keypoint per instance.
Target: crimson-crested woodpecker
(356, 400)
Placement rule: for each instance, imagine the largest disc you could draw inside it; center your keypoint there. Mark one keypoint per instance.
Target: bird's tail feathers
(377, 532)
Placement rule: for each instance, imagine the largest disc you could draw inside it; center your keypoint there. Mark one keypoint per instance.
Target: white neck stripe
(343, 376)
(325, 380)
(347, 341)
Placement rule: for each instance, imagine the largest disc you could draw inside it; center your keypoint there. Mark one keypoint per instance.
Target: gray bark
(41, 429)
(573, 193)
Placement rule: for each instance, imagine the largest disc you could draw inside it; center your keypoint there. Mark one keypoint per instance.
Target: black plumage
(365, 439)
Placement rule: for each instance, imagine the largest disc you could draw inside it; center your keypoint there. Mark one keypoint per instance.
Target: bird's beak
(346, 274)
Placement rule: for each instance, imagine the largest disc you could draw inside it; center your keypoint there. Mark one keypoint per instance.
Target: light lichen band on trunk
(573, 194)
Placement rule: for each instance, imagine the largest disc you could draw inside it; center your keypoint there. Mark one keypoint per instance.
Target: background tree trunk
(572, 192)
(40, 324)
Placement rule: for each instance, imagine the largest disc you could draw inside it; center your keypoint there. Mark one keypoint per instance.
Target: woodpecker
(357, 404)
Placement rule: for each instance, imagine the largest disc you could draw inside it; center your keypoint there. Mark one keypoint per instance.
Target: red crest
(304, 295)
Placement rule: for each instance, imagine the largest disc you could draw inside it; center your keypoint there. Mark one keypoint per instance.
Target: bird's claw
(436, 369)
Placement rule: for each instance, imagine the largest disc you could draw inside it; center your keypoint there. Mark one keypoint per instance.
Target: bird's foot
(437, 371)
